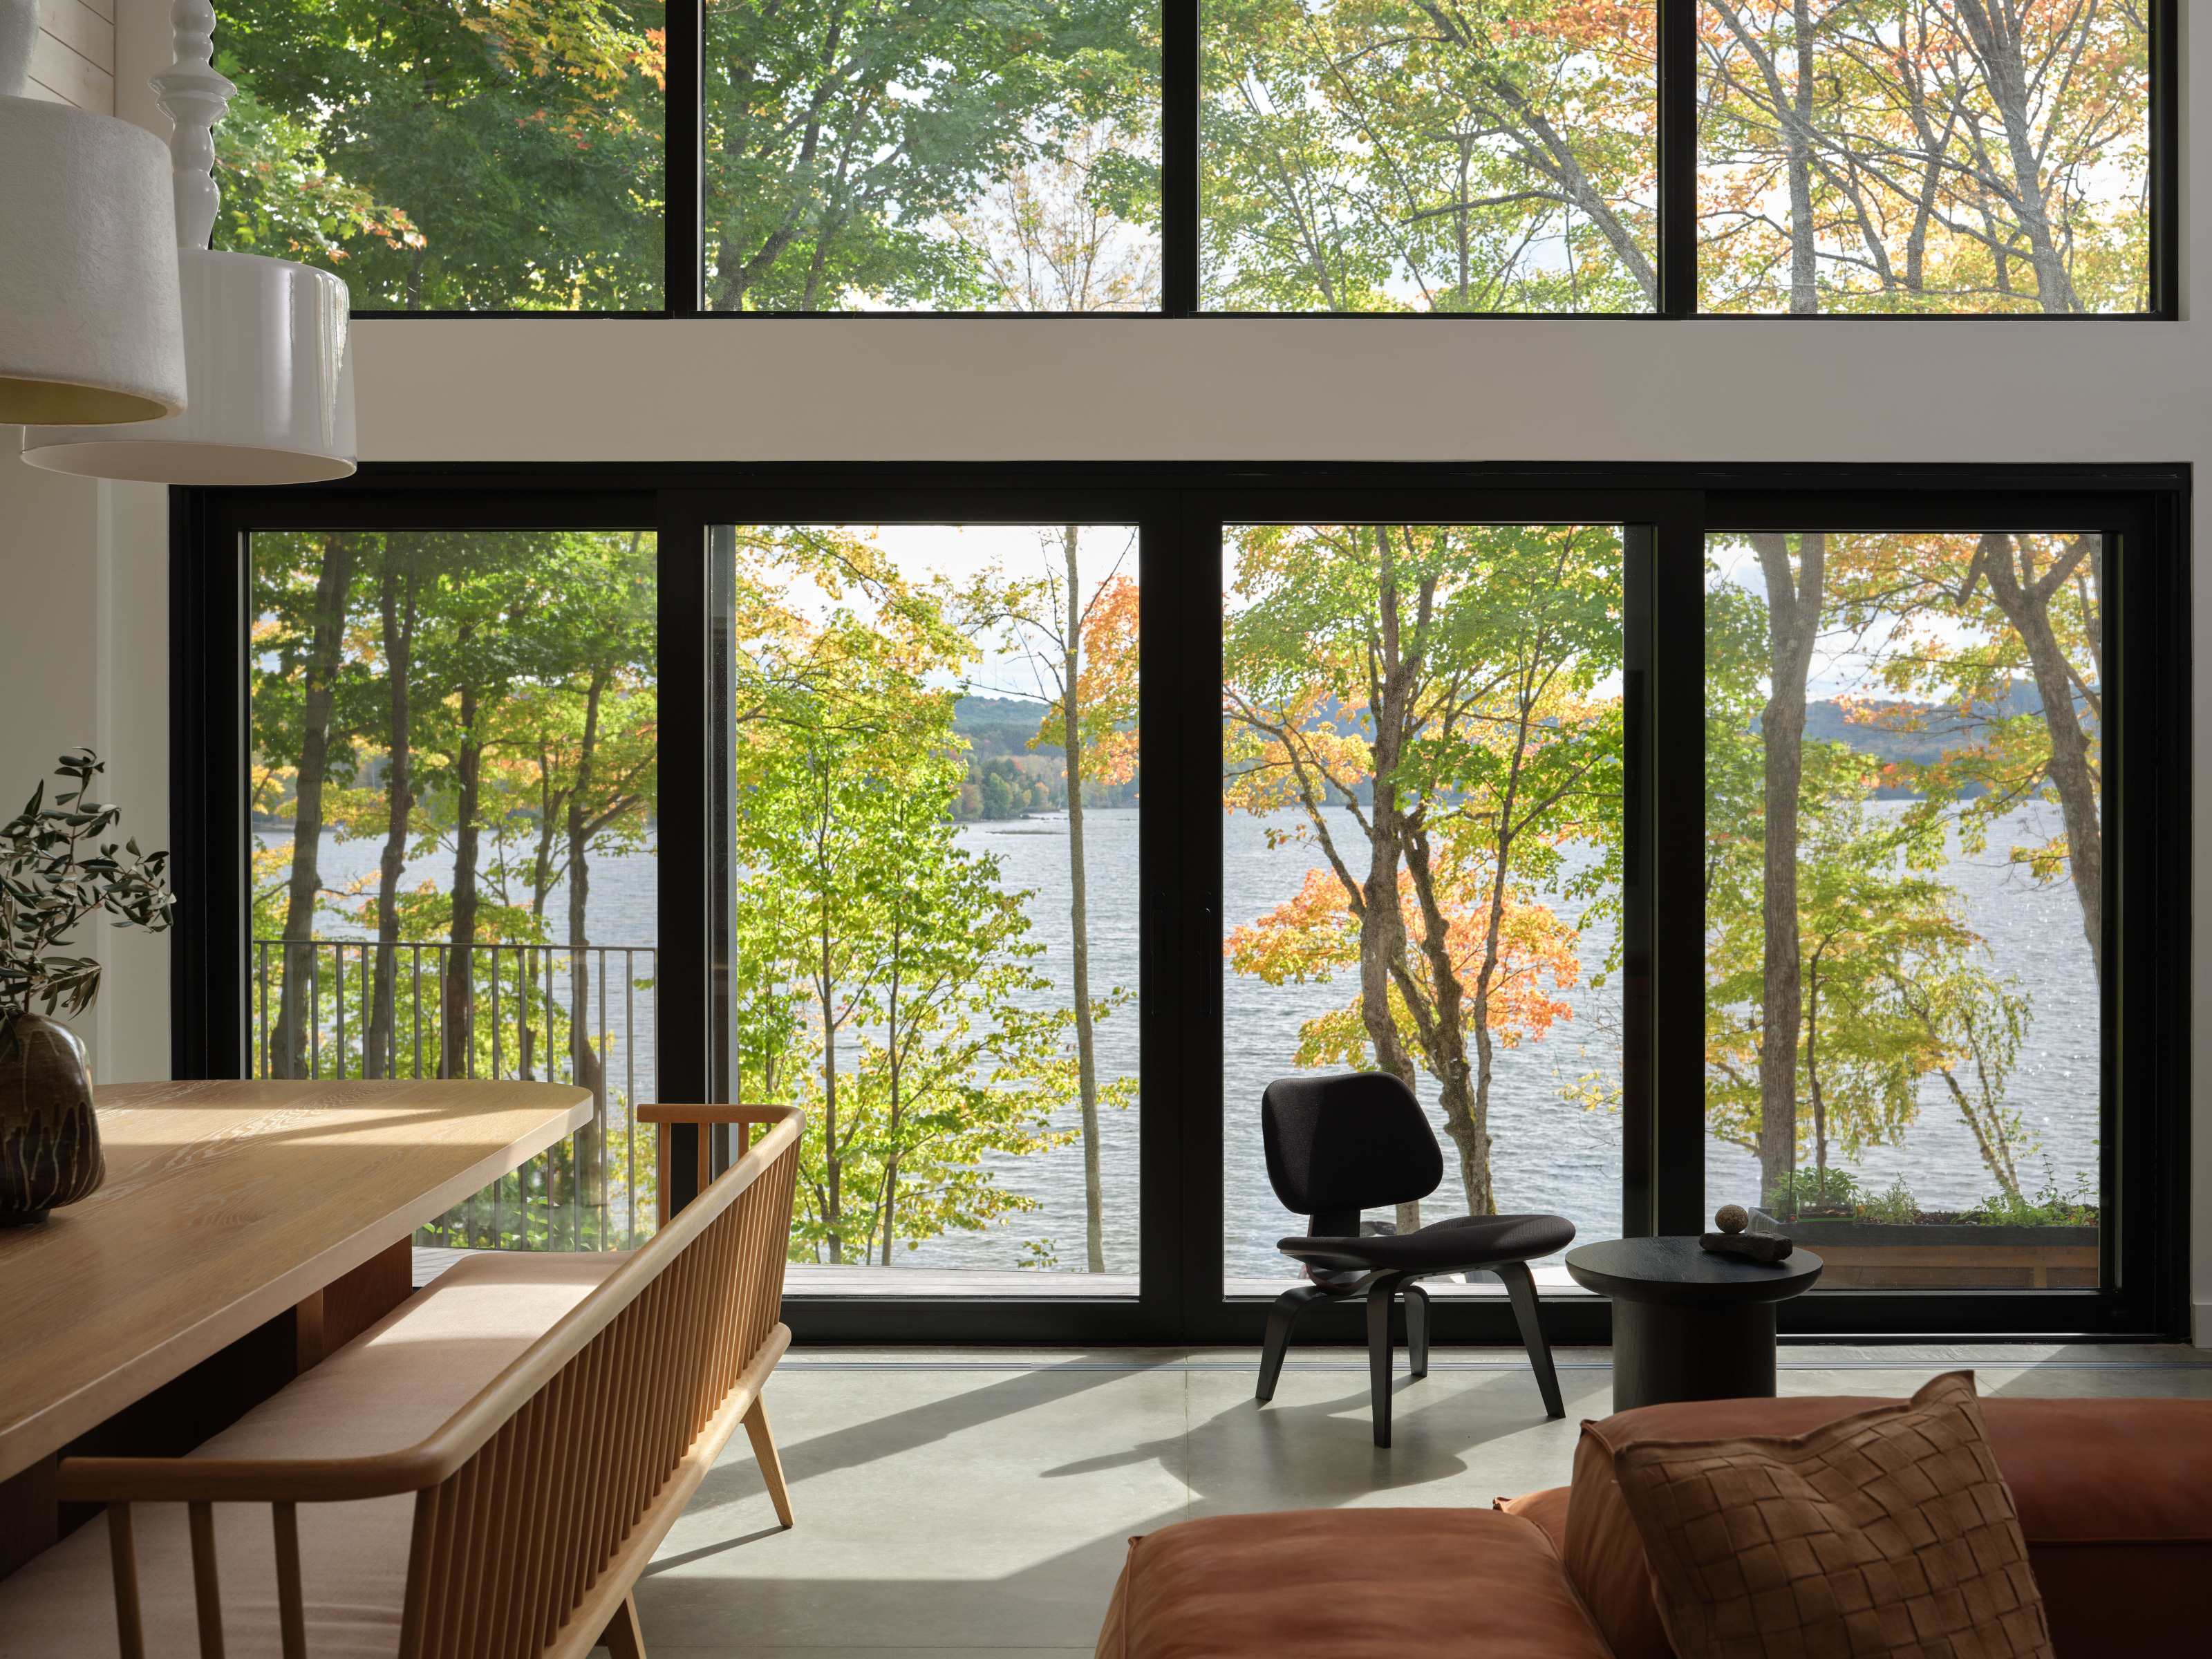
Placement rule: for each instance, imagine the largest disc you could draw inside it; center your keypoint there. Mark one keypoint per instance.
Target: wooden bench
(485, 1472)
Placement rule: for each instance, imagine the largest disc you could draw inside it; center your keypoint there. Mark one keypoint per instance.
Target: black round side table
(1688, 1324)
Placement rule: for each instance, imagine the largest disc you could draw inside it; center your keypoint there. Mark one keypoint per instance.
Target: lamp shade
(90, 326)
(271, 383)
(266, 339)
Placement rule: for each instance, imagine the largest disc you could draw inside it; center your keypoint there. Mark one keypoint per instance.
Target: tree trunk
(833, 1209)
(1381, 919)
(397, 604)
(325, 656)
(2024, 598)
(1086, 1053)
(1793, 610)
(1804, 295)
(1996, 33)
(457, 1024)
(588, 1063)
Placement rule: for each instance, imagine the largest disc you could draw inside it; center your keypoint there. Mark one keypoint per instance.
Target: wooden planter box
(1886, 1255)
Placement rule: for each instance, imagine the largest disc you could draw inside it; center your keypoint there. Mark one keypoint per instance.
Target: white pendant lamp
(89, 324)
(266, 339)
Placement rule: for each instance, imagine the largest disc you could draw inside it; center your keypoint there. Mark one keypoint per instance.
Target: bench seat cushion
(1357, 1583)
(385, 1390)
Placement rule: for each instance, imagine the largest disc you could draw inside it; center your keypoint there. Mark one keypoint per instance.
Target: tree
(841, 133)
(882, 968)
(302, 606)
(1486, 155)
(1436, 683)
(1891, 984)
(1049, 238)
(1794, 599)
(1081, 639)
(1925, 154)
(494, 155)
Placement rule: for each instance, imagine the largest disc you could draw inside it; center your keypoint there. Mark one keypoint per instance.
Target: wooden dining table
(244, 1229)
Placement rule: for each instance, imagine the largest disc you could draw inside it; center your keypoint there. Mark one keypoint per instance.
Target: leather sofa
(2115, 1498)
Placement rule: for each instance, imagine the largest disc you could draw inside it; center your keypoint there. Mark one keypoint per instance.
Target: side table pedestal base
(1663, 1352)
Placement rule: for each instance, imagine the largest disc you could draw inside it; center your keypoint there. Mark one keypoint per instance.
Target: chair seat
(1461, 1244)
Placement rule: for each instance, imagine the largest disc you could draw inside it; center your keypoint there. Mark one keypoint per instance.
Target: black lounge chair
(1337, 1145)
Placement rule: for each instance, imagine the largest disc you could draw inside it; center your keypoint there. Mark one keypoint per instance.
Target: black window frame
(1179, 508)
(684, 164)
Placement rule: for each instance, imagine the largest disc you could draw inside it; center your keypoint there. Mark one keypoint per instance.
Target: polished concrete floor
(978, 1501)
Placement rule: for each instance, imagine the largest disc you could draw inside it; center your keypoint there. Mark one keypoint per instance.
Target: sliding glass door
(1422, 752)
(1789, 838)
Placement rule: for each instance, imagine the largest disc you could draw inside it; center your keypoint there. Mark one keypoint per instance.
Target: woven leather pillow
(1888, 1535)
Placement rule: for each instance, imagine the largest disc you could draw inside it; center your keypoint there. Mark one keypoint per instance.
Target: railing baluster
(630, 1096)
(574, 1195)
(268, 1060)
(314, 1015)
(498, 1028)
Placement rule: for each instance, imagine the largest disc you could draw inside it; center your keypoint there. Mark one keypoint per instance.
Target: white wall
(1087, 389)
(84, 657)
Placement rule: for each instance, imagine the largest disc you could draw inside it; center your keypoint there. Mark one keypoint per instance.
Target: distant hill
(1941, 731)
(971, 715)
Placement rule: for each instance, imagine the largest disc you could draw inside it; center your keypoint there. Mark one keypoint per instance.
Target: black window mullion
(1180, 1214)
(1677, 157)
(1179, 207)
(2165, 297)
(683, 112)
(1675, 730)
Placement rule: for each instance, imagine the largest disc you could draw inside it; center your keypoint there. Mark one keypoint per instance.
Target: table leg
(1662, 1354)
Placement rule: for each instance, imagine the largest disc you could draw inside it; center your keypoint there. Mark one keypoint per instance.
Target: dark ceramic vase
(49, 1139)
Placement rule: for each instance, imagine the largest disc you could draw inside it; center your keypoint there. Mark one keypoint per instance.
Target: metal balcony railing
(354, 1008)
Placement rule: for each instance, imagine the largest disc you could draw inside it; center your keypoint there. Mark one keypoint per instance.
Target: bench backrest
(537, 1502)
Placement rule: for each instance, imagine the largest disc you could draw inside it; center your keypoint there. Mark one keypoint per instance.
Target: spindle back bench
(483, 1473)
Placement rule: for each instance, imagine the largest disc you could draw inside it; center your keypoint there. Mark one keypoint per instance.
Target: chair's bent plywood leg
(1381, 1297)
(1417, 1328)
(622, 1638)
(1521, 1286)
(1280, 1318)
(771, 1466)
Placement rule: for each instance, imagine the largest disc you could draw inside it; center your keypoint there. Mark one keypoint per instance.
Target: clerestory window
(1181, 157)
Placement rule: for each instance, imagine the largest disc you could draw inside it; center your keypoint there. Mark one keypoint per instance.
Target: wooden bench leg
(622, 1638)
(771, 1466)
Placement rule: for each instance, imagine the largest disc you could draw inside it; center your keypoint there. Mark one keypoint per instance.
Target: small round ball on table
(1732, 1217)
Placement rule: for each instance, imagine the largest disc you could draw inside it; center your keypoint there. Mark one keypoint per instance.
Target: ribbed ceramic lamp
(90, 328)
(266, 339)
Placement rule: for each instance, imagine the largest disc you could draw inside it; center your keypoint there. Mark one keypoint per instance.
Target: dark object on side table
(1688, 1324)
(49, 1137)
(1337, 1145)
(1748, 1247)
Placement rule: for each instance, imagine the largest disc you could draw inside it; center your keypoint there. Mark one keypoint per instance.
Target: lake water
(1548, 1155)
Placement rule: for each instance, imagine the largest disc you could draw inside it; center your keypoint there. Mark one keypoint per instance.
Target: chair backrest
(1344, 1143)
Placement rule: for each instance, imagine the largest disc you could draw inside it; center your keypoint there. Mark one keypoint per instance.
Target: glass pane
(937, 914)
(455, 763)
(1430, 714)
(1904, 1024)
(505, 157)
(944, 155)
(1922, 155)
(1385, 155)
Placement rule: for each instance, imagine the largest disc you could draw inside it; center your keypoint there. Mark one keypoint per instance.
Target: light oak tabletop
(225, 1204)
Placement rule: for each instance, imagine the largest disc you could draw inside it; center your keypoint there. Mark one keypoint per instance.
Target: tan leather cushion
(2115, 1498)
(1547, 1509)
(1889, 1534)
(1347, 1584)
(383, 1391)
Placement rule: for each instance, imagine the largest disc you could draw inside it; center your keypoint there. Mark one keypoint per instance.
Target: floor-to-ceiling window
(1790, 837)
(451, 783)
